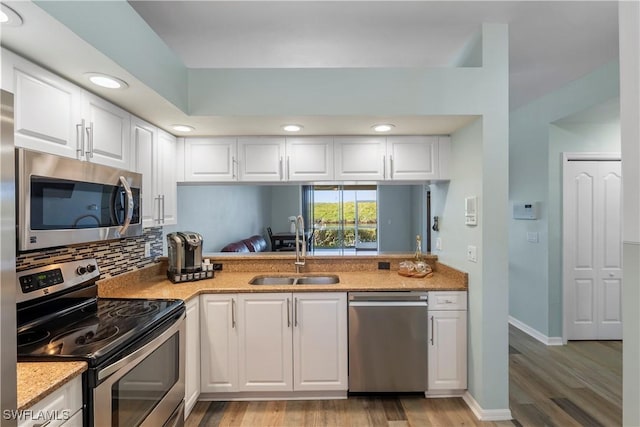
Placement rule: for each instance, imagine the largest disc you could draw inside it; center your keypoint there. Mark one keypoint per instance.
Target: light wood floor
(575, 385)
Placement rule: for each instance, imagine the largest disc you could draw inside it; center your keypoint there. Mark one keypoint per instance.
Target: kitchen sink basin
(295, 280)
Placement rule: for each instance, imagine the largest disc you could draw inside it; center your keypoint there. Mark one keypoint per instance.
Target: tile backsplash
(114, 257)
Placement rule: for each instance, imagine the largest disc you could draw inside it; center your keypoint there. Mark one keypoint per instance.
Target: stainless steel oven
(134, 348)
(146, 386)
(64, 201)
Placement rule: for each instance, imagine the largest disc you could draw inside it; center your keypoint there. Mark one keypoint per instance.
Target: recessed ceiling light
(292, 128)
(382, 127)
(9, 17)
(106, 81)
(182, 128)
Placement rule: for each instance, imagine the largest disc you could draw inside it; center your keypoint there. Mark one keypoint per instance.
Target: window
(344, 218)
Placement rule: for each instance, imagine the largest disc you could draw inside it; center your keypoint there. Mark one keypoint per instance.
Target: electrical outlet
(472, 253)
(438, 244)
(384, 265)
(147, 250)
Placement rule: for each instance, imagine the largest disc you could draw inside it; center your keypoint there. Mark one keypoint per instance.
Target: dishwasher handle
(384, 297)
(387, 304)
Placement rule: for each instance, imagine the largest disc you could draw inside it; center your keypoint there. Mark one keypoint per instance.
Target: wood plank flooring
(575, 385)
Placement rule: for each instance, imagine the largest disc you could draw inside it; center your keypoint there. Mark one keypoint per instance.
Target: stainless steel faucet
(300, 248)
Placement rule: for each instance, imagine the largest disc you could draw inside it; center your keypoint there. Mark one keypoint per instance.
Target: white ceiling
(551, 42)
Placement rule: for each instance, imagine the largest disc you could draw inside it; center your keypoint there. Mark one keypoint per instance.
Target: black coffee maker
(185, 256)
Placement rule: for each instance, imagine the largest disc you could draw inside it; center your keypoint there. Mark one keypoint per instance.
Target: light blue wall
(285, 202)
(534, 175)
(223, 213)
(397, 218)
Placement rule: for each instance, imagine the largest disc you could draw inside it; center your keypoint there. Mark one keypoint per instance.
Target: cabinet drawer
(442, 300)
(62, 403)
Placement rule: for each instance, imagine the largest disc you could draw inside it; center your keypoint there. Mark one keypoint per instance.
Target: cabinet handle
(391, 167)
(80, 138)
(288, 168)
(288, 314)
(233, 312)
(295, 312)
(162, 199)
(159, 209)
(45, 424)
(234, 163)
(280, 169)
(89, 151)
(432, 330)
(384, 167)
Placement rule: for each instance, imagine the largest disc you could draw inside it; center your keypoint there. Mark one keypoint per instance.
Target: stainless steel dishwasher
(388, 341)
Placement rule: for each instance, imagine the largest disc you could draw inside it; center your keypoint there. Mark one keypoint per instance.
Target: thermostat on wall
(525, 210)
(471, 210)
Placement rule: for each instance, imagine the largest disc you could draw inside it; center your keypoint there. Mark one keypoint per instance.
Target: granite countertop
(159, 286)
(36, 380)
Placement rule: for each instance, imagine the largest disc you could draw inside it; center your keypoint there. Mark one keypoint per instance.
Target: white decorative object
(292, 224)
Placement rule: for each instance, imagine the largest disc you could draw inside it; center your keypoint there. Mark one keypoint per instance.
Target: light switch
(532, 237)
(472, 253)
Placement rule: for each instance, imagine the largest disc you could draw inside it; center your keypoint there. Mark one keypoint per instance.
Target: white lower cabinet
(192, 356)
(447, 353)
(274, 342)
(63, 407)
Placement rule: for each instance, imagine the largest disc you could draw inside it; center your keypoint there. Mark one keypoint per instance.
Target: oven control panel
(47, 280)
(35, 281)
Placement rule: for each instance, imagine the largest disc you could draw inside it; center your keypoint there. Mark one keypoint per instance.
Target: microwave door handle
(129, 206)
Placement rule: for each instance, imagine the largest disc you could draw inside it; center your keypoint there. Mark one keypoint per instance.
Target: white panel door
(592, 249)
(47, 108)
(144, 138)
(360, 158)
(261, 158)
(108, 132)
(210, 159)
(167, 185)
(309, 158)
(447, 354)
(413, 157)
(192, 355)
(219, 343)
(264, 323)
(320, 347)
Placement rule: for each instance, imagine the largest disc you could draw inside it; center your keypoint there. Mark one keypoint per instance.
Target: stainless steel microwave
(63, 201)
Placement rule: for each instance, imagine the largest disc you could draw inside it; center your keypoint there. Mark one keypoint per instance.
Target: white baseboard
(486, 414)
(534, 333)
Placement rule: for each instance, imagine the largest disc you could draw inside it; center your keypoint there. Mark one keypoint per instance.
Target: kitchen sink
(295, 280)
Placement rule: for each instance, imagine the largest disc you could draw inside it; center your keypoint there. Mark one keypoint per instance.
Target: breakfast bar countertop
(36, 380)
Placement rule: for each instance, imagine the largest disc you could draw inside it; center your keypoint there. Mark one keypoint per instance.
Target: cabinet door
(264, 323)
(360, 158)
(447, 358)
(320, 357)
(261, 158)
(210, 159)
(108, 129)
(192, 355)
(412, 157)
(166, 178)
(309, 159)
(144, 160)
(219, 343)
(47, 108)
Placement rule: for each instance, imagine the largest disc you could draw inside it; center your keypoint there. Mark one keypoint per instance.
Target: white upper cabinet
(166, 178)
(261, 158)
(154, 156)
(309, 158)
(412, 157)
(47, 107)
(360, 158)
(107, 132)
(55, 116)
(210, 159)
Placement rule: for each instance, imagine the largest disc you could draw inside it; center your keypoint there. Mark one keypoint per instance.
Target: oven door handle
(142, 351)
(129, 207)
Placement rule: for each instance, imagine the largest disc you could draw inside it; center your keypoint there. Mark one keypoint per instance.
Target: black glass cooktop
(95, 331)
